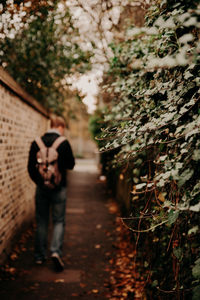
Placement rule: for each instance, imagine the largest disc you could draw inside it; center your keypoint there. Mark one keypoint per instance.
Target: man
(51, 198)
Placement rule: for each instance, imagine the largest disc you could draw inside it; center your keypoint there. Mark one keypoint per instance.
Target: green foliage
(196, 275)
(154, 117)
(196, 269)
(95, 126)
(42, 53)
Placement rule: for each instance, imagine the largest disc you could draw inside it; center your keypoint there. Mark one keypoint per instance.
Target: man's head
(58, 123)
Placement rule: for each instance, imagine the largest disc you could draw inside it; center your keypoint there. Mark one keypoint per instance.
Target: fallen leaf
(11, 270)
(121, 176)
(124, 280)
(102, 178)
(99, 226)
(59, 280)
(83, 285)
(161, 197)
(113, 209)
(13, 256)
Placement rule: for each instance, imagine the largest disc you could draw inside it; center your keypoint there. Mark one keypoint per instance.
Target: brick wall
(21, 120)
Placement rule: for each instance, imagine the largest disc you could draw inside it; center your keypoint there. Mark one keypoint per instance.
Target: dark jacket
(65, 158)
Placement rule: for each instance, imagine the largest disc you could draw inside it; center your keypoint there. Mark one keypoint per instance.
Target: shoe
(58, 263)
(39, 262)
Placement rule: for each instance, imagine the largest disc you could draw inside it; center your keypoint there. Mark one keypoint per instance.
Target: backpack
(47, 162)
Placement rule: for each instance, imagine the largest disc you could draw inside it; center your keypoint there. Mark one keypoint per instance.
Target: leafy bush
(154, 121)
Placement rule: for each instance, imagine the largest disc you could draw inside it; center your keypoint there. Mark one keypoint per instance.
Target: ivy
(154, 119)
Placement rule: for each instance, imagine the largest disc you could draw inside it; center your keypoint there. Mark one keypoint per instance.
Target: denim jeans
(55, 202)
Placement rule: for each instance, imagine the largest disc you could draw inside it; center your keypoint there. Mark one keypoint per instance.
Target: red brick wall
(21, 120)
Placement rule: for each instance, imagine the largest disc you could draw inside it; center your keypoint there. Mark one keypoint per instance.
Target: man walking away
(49, 158)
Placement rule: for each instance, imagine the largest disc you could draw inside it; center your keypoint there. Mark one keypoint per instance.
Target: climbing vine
(154, 123)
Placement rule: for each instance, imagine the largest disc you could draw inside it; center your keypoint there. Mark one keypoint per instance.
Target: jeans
(46, 201)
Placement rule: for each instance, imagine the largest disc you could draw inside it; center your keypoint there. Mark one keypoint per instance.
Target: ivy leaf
(185, 176)
(172, 216)
(193, 230)
(196, 293)
(196, 269)
(140, 186)
(188, 75)
(178, 252)
(196, 155)
(154, 283)
(195, 208)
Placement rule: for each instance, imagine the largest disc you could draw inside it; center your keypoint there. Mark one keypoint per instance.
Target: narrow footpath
(88, 247)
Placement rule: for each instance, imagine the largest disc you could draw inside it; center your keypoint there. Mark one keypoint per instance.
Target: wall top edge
(7, 80)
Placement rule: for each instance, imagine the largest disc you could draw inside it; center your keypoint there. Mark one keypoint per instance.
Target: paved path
(87, 249)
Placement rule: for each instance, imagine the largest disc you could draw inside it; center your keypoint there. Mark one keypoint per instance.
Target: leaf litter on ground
(125, 282)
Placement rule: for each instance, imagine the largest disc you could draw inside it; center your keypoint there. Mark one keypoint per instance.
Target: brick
(20, 123)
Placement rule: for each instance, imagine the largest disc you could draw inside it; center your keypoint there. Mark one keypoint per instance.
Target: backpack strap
(40, 143)
(58, 141)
